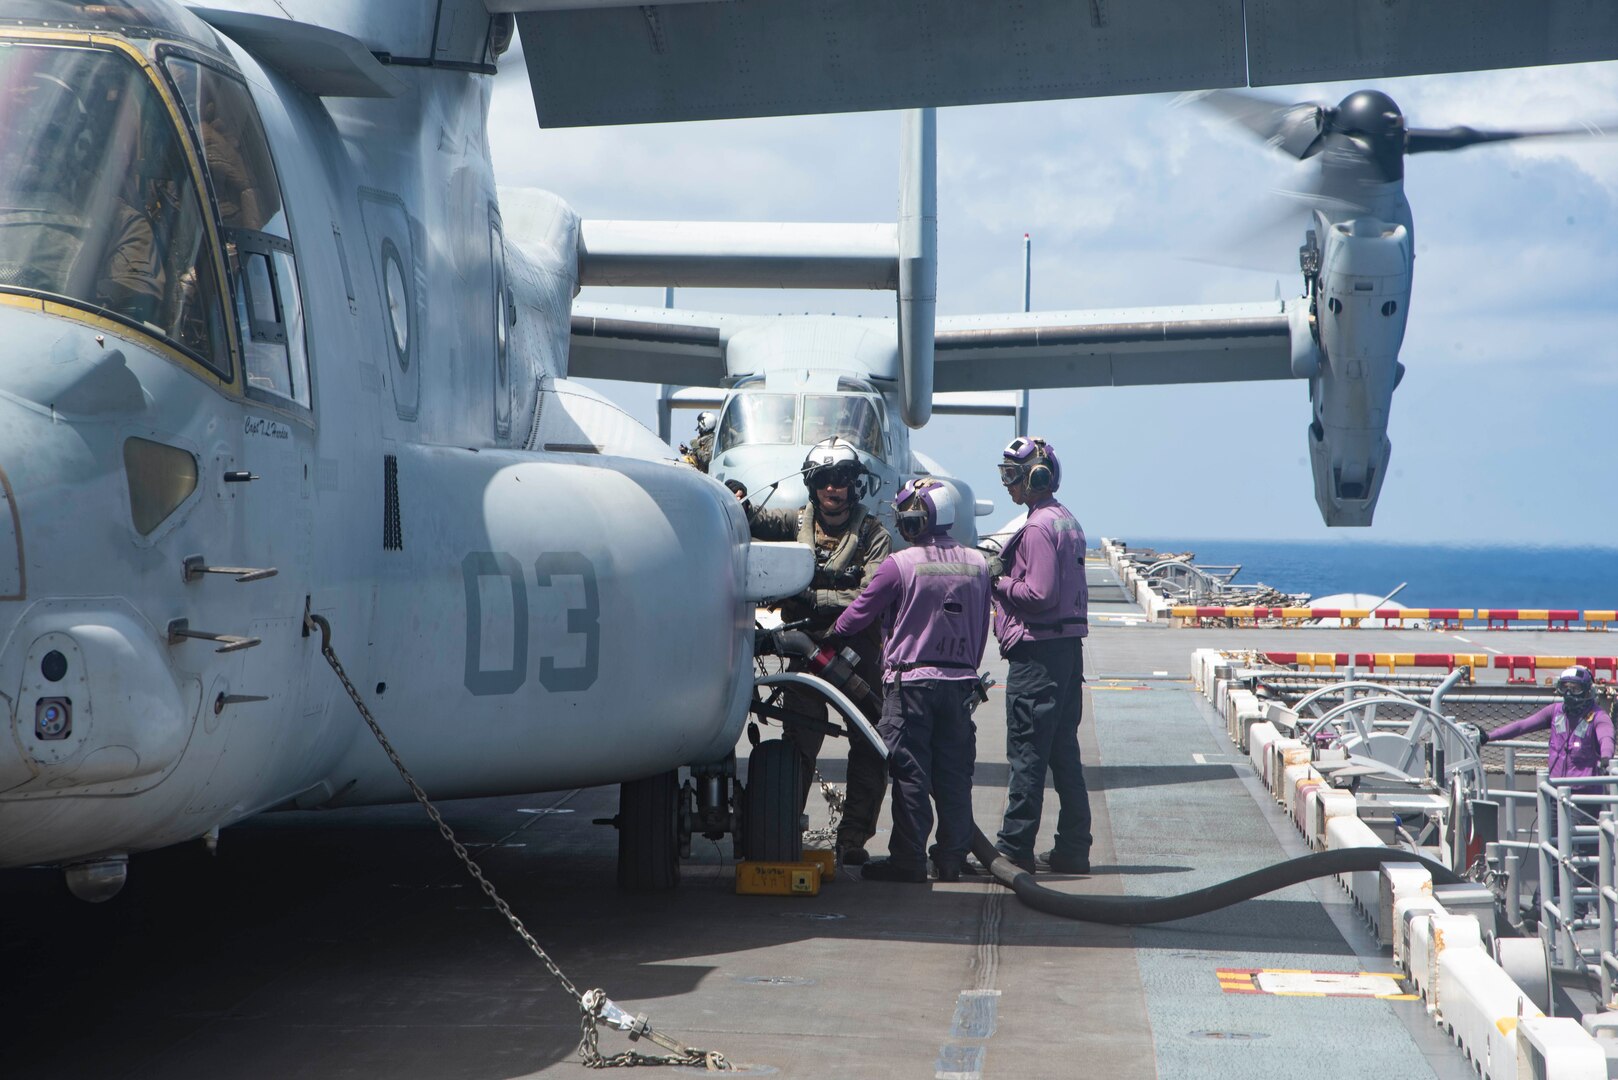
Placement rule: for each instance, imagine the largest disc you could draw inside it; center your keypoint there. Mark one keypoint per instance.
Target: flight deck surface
(351, 944)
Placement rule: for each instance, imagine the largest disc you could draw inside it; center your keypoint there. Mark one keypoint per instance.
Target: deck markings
(959, 1063)
(976, 1013)
(1294, 982)
(1460, 638)
(1220, 759)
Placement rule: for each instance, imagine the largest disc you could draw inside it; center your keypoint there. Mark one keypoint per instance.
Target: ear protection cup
(1039, 476)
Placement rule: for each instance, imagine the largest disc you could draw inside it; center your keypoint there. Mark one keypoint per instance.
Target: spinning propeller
(1364, 135)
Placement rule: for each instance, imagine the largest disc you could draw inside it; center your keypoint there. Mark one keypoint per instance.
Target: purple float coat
(1571, 753)
(935, 596)
(1042, 594)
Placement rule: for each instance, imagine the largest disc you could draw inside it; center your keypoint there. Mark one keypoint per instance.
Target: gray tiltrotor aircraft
(272, 357)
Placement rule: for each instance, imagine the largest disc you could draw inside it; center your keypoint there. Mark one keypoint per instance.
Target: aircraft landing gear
(772, 816)
(649, 833)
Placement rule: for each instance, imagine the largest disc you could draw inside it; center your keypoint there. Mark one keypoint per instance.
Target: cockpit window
(757, 418)
(97, 204)
(854, 418)
(258, 243)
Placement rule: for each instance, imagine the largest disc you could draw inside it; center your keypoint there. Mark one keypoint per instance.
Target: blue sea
(1437, 575)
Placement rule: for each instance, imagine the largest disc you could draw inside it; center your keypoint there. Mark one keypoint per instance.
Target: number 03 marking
(584, 621)
(580, 620)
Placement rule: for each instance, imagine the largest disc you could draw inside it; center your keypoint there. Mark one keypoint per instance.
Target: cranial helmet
(705, 422)
(922, 506)
(1578, 687)
(1032, 460)
(833, 461)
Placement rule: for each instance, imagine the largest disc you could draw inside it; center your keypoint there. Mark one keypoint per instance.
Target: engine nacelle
(1362, 305)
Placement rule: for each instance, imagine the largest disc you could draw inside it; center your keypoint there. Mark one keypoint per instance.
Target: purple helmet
(1033, 461)
(1577, 685)
(922, 506)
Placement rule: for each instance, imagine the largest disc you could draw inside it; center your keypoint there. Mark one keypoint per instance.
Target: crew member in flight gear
(700, 452)
(1040, 621)
(934, 598)
(849, 543)
(1581, 731)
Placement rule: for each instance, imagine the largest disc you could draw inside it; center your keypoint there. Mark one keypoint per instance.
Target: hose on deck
(1143, 910)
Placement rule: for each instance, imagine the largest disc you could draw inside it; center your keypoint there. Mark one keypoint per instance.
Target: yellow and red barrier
(1445, 618)
(1389, 662)
(1532, 664)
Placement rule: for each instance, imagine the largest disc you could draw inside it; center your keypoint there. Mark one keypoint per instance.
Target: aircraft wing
(618, 62)
(650, 344)
(1124, 347)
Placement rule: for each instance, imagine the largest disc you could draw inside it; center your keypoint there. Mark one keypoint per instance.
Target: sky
(1501, 430)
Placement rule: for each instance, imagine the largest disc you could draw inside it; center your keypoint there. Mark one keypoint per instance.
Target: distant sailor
(1040, 620)
(700, 452)
(849, 543)
(933, 598)
(1581, 731)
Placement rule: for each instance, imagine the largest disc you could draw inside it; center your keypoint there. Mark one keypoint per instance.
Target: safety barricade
(1379, 661)
(1553, 618)
(1439, 618)
(1605, 668)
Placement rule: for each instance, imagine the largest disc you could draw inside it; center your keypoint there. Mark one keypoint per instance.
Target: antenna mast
(1027, 306)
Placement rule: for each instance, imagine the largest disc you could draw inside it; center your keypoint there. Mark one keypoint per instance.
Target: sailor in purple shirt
(1040, 620)
(933, 599)
(1581, 731)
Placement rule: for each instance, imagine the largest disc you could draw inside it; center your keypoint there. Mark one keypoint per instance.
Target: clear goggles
(1010, 472)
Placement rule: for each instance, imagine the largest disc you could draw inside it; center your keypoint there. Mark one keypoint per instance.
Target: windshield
(854, 418)
(757, 418)
(97, 205)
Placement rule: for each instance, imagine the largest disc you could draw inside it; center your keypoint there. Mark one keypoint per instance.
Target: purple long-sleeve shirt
(935, 596)
(1572, 753)
(1042, 593)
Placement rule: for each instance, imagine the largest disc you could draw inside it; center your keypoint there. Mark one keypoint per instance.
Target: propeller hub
(1370, 113)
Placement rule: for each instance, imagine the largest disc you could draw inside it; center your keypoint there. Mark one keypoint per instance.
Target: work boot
(946, 870)
(888, 870)
(1054, 862)
(851, 853)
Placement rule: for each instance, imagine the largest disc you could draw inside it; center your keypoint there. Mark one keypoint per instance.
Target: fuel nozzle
(837, 668)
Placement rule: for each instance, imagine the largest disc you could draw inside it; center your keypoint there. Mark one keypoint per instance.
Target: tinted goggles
(841, 476)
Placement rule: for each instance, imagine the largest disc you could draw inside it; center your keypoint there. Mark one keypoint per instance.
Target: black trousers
(1044, 704)
(932, 746)
(867, 781)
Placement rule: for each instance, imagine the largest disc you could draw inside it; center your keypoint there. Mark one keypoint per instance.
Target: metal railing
(1576, 872)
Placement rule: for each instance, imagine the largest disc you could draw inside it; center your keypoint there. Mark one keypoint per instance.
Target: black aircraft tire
(771, 822)
(648, 833)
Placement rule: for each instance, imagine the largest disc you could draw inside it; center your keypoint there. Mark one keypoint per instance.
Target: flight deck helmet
(705, 422)
(1577, 685)
(834, 461)
(1033, 461)
(923, 505)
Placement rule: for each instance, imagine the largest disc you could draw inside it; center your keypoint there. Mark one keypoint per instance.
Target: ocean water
(1436, 575)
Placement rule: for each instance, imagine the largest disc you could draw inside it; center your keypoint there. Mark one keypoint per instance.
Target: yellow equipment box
(778, 878)
(826, 860)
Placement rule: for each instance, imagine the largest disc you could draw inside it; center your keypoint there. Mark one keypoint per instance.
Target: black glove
(1483, 737)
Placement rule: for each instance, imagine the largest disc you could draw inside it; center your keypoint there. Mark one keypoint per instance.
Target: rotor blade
(1423, 140)
(1291, 129)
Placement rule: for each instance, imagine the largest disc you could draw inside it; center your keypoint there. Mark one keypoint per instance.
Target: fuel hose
(1143, 910)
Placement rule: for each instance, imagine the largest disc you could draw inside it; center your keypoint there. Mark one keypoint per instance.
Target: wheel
(648, 833)
(771, 822)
